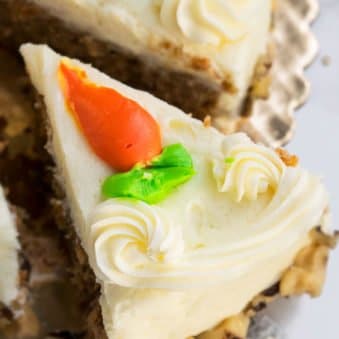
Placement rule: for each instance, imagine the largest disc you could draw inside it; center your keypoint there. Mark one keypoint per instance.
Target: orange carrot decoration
(119, 130)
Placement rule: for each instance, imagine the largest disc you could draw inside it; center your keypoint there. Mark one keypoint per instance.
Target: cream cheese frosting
(231, 35)
(211, 22)
(141, 247)
(203, 253)
(9, 246)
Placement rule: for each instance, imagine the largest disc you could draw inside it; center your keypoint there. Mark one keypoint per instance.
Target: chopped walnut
(202, 64)
(320, 238)
(228, 84)
(308, 273)
(232, 328)
(207, 121)
(289, 159)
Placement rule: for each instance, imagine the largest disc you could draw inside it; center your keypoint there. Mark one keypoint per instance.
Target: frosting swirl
(248, 170)
(205, 21)
(132, 241)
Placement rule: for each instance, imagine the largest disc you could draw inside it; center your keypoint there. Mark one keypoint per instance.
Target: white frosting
(231, 250)
(230, 34)
(132, 241)
(214, 22)
(9, 246)
(248, 170)
(134, 246)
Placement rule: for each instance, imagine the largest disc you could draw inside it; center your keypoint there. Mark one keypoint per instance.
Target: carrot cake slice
(188, 232)
(198, 55)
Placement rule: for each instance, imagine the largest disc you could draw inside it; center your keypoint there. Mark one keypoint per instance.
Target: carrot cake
(188, 232)
(198, 55)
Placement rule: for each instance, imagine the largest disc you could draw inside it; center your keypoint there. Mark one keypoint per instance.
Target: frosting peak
(205, 21)
(249, 170)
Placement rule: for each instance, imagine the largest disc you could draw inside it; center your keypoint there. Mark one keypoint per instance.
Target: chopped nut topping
(200, 63)
(207, 121)
(228, 85)
(308, 273)
(232, 328)
(289, 159)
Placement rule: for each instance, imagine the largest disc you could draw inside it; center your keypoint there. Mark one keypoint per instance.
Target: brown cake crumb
(202, 64)
(228, 85)
(290, 160)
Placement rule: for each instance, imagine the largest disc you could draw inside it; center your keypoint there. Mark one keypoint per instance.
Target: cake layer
(220, 239)
(143, 45)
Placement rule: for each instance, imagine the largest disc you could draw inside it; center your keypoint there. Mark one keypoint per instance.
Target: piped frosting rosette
(206, 21)
(133, 241)
(250, 170)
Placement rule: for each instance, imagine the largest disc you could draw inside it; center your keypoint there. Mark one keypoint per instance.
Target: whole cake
(204, 56)
(188, 232)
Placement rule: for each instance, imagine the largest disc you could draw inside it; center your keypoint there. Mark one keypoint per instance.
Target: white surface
(317, 143)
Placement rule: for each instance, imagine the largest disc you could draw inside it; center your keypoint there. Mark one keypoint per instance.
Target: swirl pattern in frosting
(252, 170)
(205, 21)
(132, 240)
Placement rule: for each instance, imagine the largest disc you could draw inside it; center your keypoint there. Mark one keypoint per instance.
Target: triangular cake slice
(9, 259)
(183, 226)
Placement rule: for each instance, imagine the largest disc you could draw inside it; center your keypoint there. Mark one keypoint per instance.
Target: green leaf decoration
(174, 155)
(229, 160)
(173, 167)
